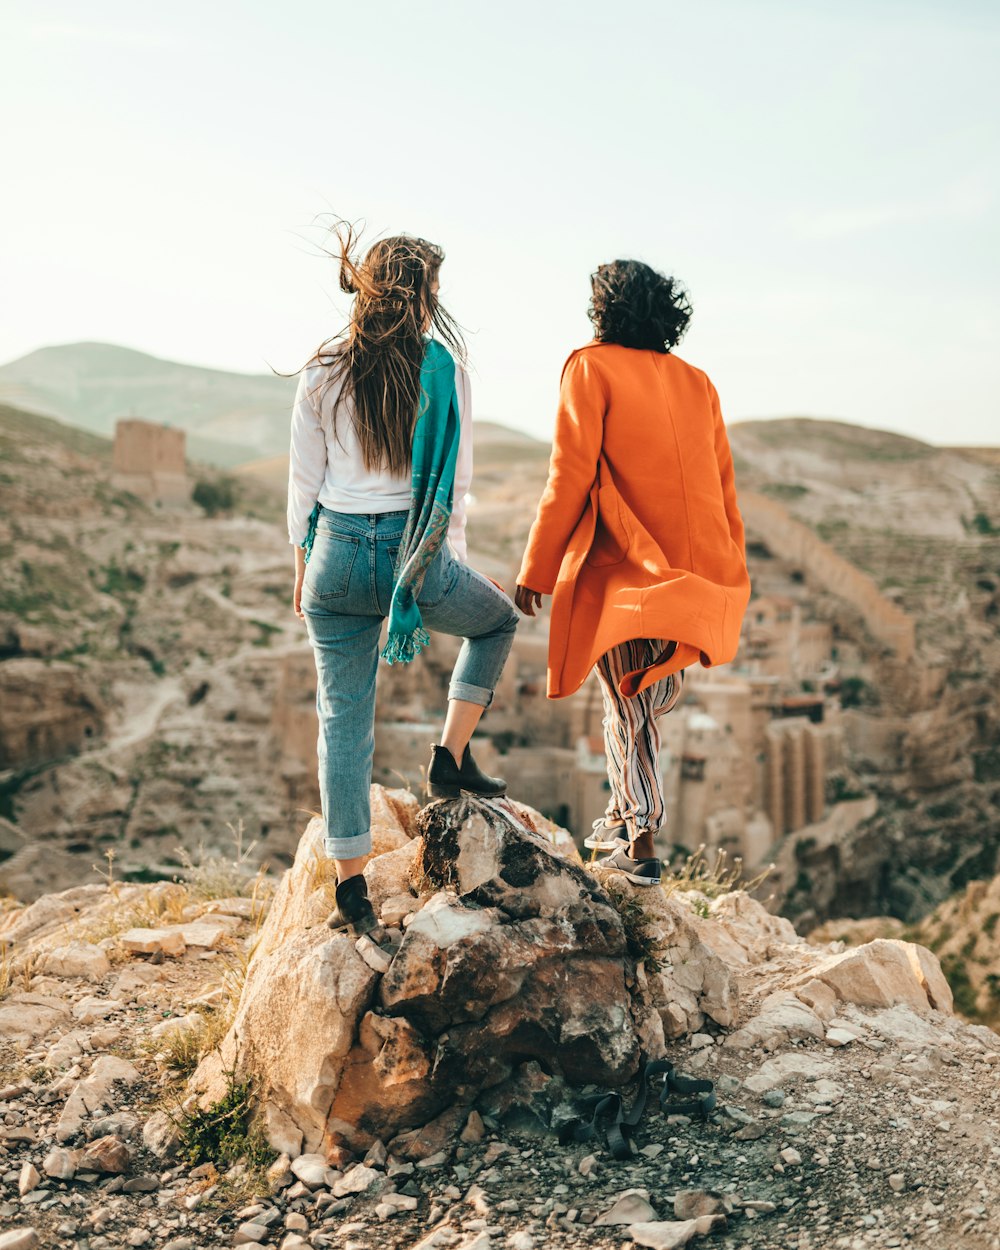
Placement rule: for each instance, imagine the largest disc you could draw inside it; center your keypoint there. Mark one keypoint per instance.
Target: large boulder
(511, 951)
(885, 973)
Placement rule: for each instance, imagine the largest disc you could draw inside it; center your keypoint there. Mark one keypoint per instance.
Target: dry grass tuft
(712, 878)
(218, 876)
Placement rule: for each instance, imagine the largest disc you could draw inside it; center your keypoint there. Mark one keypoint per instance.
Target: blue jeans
(345, 598)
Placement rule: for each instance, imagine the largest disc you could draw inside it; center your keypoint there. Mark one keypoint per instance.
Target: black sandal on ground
(446, 780)
(353, 910)
(607, 1110)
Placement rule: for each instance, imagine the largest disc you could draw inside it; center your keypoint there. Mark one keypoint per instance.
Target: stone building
(149, 461)
(777, 641)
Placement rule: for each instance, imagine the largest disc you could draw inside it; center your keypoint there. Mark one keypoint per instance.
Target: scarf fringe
(401, 648)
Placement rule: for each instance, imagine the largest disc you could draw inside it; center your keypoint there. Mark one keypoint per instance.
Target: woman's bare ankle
(641, 847)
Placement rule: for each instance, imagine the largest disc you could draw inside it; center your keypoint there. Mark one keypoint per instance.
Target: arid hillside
(229, 417)
(140, 648)
(158, 688)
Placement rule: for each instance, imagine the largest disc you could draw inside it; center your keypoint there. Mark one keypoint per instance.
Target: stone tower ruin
(148, 460)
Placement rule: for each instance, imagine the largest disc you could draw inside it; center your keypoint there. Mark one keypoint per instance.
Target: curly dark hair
(635, 306)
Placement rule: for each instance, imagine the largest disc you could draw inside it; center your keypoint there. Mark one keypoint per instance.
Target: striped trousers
(631, 734)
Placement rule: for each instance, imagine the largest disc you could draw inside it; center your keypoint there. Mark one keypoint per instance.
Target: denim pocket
(440, 579)
(328, 573)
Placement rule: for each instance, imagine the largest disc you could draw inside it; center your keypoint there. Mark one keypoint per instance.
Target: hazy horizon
(479, 417)
(823, 180)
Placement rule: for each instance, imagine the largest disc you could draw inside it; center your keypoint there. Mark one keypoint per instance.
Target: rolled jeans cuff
(348, 848)
(470, 694)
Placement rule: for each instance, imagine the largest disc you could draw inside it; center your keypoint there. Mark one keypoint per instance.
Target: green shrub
(223, 1133)
(215, 496)
(954, 969)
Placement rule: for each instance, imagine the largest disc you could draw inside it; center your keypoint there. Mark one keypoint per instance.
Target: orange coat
(638, 534)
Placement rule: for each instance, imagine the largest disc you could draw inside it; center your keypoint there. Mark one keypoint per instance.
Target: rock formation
(854, 1109)
(501, 954)
(501, 949)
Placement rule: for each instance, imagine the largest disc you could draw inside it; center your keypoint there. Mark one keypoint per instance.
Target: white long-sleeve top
(325, 464)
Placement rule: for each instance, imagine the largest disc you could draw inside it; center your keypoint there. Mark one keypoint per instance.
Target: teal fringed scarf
(435, 451)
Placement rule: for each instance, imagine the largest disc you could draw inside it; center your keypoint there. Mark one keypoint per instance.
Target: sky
(822, 177)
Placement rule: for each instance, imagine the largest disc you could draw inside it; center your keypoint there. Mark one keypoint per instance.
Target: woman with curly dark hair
(638, 538)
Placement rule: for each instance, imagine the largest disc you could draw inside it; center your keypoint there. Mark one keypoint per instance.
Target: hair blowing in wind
(377, 358)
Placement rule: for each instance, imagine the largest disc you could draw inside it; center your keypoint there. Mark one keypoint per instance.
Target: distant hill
(229, 417)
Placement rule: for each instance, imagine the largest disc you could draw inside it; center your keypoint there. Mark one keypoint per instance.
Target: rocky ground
(838, 1124)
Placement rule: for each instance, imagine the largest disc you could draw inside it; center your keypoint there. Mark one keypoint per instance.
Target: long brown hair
(377, 358)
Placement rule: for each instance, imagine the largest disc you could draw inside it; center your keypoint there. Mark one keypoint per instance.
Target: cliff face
(918, 525)
(413, 1083)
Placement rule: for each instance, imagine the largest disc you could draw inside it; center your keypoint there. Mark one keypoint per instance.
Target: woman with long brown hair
(380, 464)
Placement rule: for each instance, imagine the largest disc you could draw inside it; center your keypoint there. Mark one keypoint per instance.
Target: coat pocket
(612, 537)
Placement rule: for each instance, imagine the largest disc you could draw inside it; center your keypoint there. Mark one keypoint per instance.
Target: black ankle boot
(446, 780)
(353, 910)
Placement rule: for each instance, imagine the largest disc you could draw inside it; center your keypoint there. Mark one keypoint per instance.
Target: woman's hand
(300, 573)
(527, 600)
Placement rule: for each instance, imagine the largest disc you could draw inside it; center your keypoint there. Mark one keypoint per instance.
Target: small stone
(373, 955)
(205, 935)
(161, 1136)
(314, 1171)
(797, 1120)
(650, 1151)
(105, 1154)
(152, 941)
(750, 1132)
(396, 908)
(897, 1182)
(689, 1204)
(376, 1156)
(474, 1130)
(521, 1241)
(19, 1239)
(632, 1207)
(77, 959)
(840, 1037)
(355, 1181)
(249, 1234)
(790, 1156)
(187, 1023)
(587, 1165)
(180, 1243)
(138, 1237)
(280, 1174)
(59, 1163)
(27, 1178)
(669, 1234)
(434, 1161)
(699, 1040)
(143, 1184)
(774, 1098)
